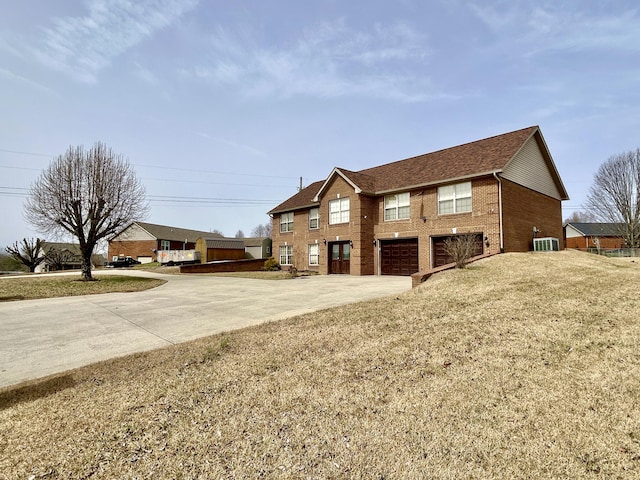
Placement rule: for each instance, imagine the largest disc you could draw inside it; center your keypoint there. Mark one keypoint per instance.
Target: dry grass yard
(31, 287)
(521, 366)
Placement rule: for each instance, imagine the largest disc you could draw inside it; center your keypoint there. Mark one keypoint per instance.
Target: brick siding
(524, 209)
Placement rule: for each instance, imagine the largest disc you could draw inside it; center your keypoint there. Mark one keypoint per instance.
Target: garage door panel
(399, 257)
(440, 255)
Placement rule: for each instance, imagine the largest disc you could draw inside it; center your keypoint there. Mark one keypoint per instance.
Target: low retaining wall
(419, 277)
(246, 265)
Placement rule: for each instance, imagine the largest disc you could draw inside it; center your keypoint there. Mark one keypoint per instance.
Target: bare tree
(57, 259)
(614, 196)
(581, 216)
(461, 248)
(262, 230)
(90, 194)
(239, 234)
(28, 252)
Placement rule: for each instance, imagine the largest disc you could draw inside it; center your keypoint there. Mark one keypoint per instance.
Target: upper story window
(314, 218)
(339, 211)
(454, 198)
(286, 222)
(396, 207)
(165, 245)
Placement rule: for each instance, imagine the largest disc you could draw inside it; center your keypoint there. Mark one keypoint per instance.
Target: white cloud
(83, 46)
(545, 26)
(25, 81)
(328, 61)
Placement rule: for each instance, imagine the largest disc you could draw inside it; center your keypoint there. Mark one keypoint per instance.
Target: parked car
(122, 262)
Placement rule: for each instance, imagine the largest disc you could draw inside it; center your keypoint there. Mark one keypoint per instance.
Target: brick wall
(425, 223)
(587, 242)
(134, 249)
(367, 223)
(247, 265)
(524, 209)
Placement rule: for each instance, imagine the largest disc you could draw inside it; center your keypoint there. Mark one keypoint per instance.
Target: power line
(27, 153)
(151, 166)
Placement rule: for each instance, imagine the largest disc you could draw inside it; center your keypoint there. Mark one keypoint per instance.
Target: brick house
(141, 240)
(394, 218)
(587, 236)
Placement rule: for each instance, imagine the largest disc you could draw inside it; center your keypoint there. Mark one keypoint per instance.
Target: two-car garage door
(399, 256)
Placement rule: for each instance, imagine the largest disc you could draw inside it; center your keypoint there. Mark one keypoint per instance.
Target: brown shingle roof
(163, 232)
(463, 161)
(302, 199)
(471, 159)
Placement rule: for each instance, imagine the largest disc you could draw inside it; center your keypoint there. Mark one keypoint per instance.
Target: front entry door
(340, 256)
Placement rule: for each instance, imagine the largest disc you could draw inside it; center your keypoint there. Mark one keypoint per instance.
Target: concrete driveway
(42, 337)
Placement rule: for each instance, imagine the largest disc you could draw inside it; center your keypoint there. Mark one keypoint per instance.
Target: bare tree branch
(614, 196)
(461, 248)
(27, 252)
(90, 194)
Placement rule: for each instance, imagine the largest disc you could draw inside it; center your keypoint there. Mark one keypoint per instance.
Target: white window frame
(339, 211)
(286, 222)
(286, 254)
(165, 244)
(314, 255)
(314, 218)
(456, 198)
(397, 206)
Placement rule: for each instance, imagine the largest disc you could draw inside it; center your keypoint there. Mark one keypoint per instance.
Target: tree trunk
(86, 265)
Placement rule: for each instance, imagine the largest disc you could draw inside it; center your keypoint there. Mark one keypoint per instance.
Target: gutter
(495, 175)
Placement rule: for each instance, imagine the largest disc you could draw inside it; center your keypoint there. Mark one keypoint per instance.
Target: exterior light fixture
(351, 243)
(324, 241)
(374, 242)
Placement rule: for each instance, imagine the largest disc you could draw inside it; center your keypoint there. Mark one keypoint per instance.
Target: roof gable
(533, 167)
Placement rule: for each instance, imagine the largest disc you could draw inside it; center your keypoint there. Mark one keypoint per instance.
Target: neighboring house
(394, 218)
(587, 236)
(216, 248)
(63, 256)
(141, 240)
(258, 247)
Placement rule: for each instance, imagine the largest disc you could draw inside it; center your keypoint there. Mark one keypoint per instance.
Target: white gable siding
(529, 169)
(572, 232)
(134, 232)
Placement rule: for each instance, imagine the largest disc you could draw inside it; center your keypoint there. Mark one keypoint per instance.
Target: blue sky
(222, 106)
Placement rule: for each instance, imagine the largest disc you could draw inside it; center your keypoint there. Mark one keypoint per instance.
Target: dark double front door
(340, 257)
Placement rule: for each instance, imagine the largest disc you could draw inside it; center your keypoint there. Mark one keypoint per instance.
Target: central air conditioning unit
(546, 244)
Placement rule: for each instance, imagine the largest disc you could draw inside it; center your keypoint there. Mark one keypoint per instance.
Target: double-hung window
(286, 255)
(286, 222)
(339, 211)
(314, 218)
(165, 245)
(314, 254)
(396, 207)
(454, 198)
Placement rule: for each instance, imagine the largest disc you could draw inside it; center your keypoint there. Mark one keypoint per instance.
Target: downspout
(495, 175)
